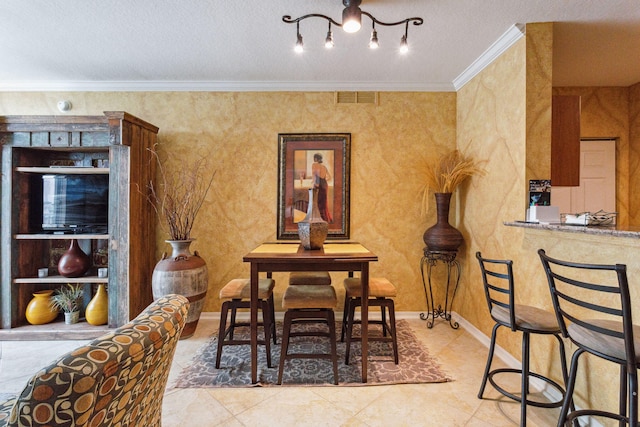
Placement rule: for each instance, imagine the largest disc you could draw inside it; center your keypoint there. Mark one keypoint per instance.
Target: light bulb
(328, 43)
(299, 45)
(351, 19)
(373, 43)
(404, 46)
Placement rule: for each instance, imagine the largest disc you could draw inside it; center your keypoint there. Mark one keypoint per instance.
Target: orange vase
(39, 310)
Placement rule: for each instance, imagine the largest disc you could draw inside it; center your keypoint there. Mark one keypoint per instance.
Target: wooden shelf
(57, 330)
(64, 170)
(49, 236)
(61, 279)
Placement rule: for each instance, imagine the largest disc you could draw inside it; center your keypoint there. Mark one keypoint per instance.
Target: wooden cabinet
(565, 141)
(115, 145)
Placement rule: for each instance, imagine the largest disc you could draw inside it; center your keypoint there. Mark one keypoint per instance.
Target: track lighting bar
(352, 22)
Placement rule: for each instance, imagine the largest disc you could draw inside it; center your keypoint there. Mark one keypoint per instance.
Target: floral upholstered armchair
(115, 380)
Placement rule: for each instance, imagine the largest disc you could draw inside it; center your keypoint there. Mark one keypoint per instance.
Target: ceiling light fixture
(299, 45)
(328, 42)
(373, 42)
(404, 46)
(351, 23)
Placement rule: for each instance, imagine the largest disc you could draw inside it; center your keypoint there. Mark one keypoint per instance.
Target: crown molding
(512, 35)
(218, 86)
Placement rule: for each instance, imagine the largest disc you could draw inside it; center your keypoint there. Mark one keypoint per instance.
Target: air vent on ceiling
(357, 98)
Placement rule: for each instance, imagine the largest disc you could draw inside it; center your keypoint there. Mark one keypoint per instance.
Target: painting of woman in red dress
(321, 175)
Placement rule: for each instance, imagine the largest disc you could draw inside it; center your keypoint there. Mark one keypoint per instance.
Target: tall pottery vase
(313, 230)
(97, 311)
(183, 273)
(74, 262)
(442, 237)
(39, 310)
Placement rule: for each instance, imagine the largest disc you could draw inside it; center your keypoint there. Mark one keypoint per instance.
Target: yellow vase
(97, 312)
(39, 310)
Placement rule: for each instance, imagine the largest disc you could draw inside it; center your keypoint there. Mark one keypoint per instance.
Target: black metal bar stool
(236, 294)
(497, 276)
(596, 316)
(309, 304)
(381, 293)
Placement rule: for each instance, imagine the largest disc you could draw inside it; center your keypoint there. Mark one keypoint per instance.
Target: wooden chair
(309, 278)
(236, 295)
(596, 316)
(309, 304)
(499, 290)
(381, 294)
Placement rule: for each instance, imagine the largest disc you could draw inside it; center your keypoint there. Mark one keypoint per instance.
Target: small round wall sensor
(64, 106)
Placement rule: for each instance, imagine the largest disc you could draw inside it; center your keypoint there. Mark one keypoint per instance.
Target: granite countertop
(603, 230)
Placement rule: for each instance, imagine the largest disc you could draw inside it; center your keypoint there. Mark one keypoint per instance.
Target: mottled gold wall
(605, 114)
(491, 124)
(391, 143)
(539, 46)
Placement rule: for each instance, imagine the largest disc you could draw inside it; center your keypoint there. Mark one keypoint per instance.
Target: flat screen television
(75, 203)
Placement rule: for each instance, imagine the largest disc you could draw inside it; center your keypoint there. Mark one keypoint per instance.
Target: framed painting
(306, 160)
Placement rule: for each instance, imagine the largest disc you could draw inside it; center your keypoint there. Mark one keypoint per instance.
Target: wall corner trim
(512, 35)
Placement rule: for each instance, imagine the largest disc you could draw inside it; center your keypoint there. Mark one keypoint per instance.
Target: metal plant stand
(430, 260)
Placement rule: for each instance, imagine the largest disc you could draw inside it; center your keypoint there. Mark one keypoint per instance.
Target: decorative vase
(97, 310)
(442, 237)
(183, 273)
(313, 230)
(39, 310)
(71, 318)
(74, 262)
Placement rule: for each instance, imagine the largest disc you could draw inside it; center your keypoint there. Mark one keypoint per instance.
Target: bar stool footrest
(517, 398)
(573, 415)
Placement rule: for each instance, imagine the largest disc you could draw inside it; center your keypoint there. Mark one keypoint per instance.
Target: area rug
(416, 365)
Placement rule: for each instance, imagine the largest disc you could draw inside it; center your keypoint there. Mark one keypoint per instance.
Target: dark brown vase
(442, 237)
(74, 262)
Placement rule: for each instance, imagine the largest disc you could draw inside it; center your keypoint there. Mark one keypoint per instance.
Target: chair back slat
(590, 306)
(578, 299)
(498, 283)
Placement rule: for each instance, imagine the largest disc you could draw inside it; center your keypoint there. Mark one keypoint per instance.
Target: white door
(597, 190)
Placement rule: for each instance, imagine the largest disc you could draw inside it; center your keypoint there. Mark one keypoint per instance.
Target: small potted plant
(68, 300)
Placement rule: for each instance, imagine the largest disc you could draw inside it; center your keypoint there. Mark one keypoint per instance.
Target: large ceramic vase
(313, 230)
(182, 273)
(97, 311)
(39, 310)
(74, 262)
(442, 237)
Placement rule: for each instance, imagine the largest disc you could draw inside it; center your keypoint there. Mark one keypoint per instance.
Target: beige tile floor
(448, 404)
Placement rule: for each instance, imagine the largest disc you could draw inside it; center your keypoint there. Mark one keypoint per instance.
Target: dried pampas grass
(445, 175)
(178, 197)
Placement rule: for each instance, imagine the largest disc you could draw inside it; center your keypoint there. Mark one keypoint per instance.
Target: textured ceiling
(186, 44)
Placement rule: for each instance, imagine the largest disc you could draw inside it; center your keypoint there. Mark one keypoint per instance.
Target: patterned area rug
(416, 365)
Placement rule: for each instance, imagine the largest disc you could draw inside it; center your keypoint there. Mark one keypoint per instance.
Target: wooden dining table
(287, 257)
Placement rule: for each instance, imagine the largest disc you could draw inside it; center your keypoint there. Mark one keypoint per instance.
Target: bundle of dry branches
(179, 196)
(445, 175)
